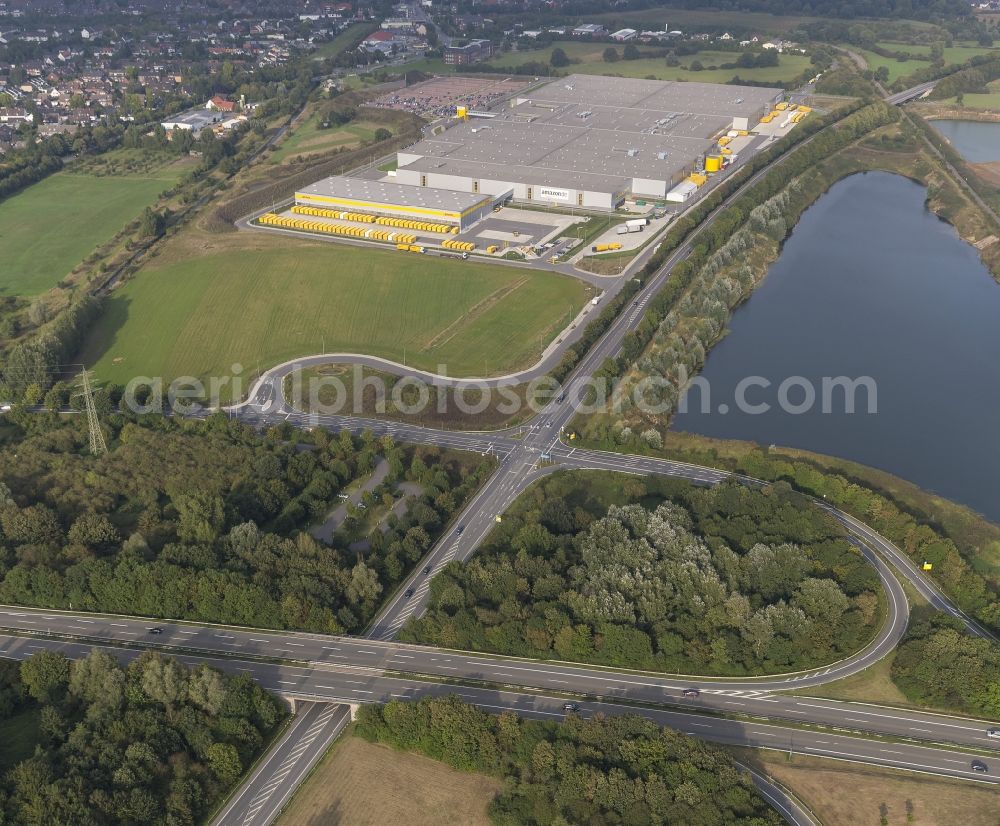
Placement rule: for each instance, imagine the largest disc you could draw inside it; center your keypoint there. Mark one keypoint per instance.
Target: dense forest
(155, 743)
(940, 664)
(204, 520)
(659, 574)
(618, 770)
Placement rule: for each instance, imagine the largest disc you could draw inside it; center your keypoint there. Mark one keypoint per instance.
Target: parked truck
(624, 229)
(637, 222)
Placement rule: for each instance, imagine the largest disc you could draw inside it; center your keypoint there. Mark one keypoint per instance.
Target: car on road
(691, 692)
(427, 570)
(154, 630)
(979, 766)
(460, 529)
(408, 593)
(993, 732)
(570, 707)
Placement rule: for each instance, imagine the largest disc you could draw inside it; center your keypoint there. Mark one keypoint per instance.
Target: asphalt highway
(268, 788)
(764, 698)
(330, 683)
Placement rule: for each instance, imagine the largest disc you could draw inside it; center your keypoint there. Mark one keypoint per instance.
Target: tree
(610, 55)
(163, 680)
(152, 224)
(225, 762)
(559, 58)
(632, 52)
(46, 676)
(382, 134)
(95, 531)
(207, 689)
(696, 66)
(98, 679)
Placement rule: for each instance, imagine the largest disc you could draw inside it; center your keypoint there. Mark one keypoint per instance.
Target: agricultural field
(591, 62)
(877, 795)
(972, 100)
(50, 227)
(260, 300)
(364, 784)
(310, 138)
(902, 68)
(694, 19)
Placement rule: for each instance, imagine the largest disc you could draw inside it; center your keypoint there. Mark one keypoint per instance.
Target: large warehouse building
(586, 141)
(396, 200)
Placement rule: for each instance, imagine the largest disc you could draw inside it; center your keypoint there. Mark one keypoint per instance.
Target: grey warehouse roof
(384, 192)
(593, 133)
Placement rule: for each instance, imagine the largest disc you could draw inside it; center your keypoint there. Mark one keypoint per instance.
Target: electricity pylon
(97, 445)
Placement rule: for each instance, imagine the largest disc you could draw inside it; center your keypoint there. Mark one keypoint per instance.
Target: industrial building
(465, 55)
(586, 141)
(394, 200)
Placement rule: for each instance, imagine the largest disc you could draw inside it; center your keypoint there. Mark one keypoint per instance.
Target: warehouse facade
(586, 141)
(397, 200)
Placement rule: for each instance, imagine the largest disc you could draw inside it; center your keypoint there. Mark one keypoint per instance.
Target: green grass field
(50, 227)
(592, 63)
(902, 68)
(688, 19)
(345, 40)
(262, 307)
(973, 100)
(309, 139)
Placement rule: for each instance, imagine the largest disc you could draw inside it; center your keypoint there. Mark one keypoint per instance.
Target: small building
(220, 104)
(684, 190)
(475, 51)
(590, 30)
(623, 35)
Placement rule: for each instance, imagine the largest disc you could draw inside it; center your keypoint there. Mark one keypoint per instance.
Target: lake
(870, 284)
(976, 141)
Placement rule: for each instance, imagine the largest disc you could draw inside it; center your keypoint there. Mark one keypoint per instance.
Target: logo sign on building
(553, 194)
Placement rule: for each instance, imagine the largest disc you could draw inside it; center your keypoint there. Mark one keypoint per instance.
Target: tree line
(614, 770)
(206, 520)
(940, 664)
(728, 580)
(155, 742)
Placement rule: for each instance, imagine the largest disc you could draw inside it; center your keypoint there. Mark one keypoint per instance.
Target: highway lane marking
(925, 730)
(359, 691)
(734, 703)
(297, 644)
(893, 717)
(286, 682)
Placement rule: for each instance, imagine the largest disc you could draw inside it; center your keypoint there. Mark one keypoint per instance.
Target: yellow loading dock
(424, 209)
